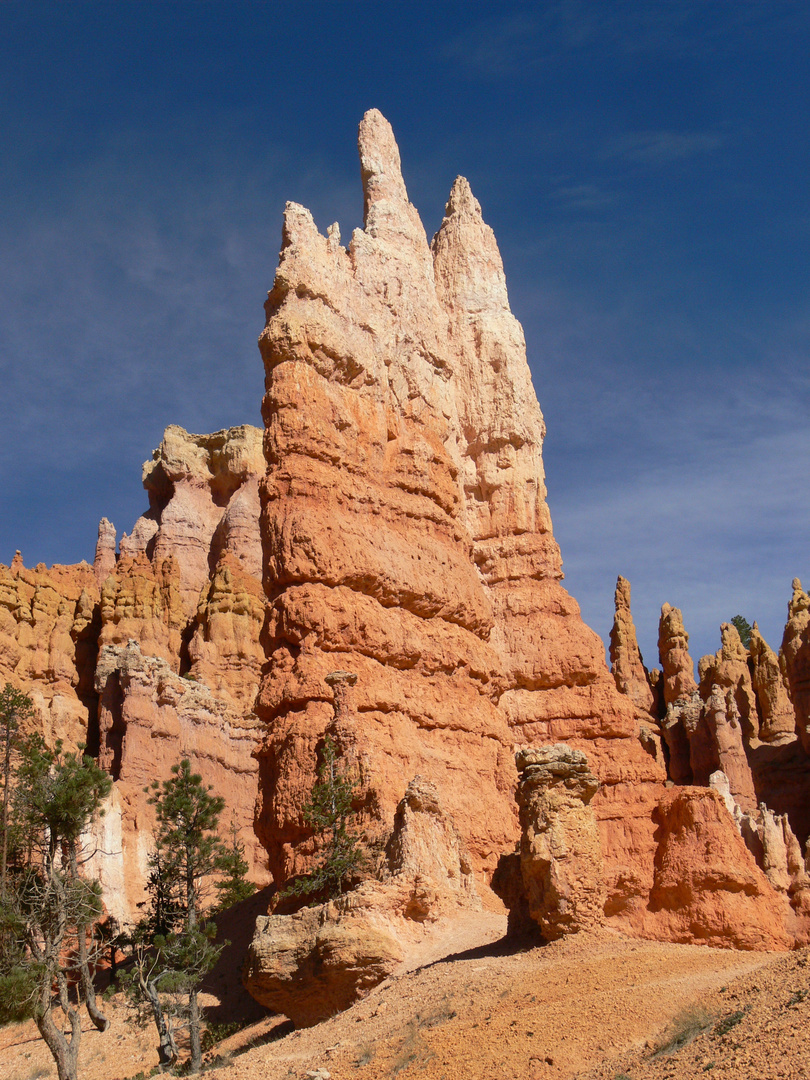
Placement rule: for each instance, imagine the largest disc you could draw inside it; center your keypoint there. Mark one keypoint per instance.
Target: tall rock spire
(407, 537)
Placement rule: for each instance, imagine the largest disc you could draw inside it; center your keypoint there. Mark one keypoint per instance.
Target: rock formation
(319, 960)
(556, 880)
(777, 719)
(796, 650)
(101, 649)
(407, 537)
(48, 643)
(380, 566)
(203, 500)
(632, 678)
(708, 888)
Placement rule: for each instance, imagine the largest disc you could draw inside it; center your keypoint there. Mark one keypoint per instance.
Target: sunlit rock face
(102, 649)
(554, 883)
(407, 538)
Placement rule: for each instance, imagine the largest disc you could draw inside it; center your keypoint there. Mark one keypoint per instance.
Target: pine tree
(48, 907)
(743, 629)
(187, 852)
(329, 812)
(15, 709)
(231, 863)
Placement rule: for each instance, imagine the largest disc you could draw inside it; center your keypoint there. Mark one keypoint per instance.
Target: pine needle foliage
(231, 863)
(48, 907)
(743, 629)
(329, 813)
(174, 949)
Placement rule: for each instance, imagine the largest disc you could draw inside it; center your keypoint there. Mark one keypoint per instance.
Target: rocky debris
(407, 536)
(626, 665)
(777, 719)
(321, 959)
(556, 880)
(708, 887)
(796, 651)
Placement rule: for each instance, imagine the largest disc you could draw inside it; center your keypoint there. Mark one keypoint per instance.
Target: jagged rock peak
(625, 656)
(380, 165)
(777, 718)
(673, 649)
(104, 561)
(461, 199)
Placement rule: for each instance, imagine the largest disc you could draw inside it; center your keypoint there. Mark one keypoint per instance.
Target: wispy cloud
(523, 40)
(663, 147)
(582, 197)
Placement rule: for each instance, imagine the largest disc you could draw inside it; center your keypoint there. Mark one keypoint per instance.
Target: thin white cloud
(663, 147)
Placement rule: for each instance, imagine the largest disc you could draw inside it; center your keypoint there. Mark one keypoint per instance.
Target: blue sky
(644, 165)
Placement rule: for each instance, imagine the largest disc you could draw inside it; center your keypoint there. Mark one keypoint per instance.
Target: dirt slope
(592, 1007)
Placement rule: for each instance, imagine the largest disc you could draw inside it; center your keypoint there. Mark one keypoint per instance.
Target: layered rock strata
(49, 625)
(183, 595)
(149, 719)
(708, 887)
(556, 880)
(407, 537)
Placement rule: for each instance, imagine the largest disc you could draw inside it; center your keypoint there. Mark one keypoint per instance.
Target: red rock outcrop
(319, 960)
(48, 643)
(796, 651)
(728, 669)
(560, 866)
(723, 723)
(186, 589)
(777, 719)
(149, 719)
(626, 665)
(407, 537)
(708, 888)
(203, 501)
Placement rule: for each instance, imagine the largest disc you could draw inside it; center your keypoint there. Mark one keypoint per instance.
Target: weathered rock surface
(728, 669)
(725, 729)
(407, 537)
(186, 589)
(560, 865)
(796, 651)
(203, 501)
(48, 643)
(319, 960)
(149, 719)
(632, 678)
(777, 719)
(708, 887)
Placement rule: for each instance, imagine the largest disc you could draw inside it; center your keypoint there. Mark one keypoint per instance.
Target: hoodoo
(407, 538)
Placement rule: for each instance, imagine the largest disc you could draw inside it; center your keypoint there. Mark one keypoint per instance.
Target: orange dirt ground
(594, 1007)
